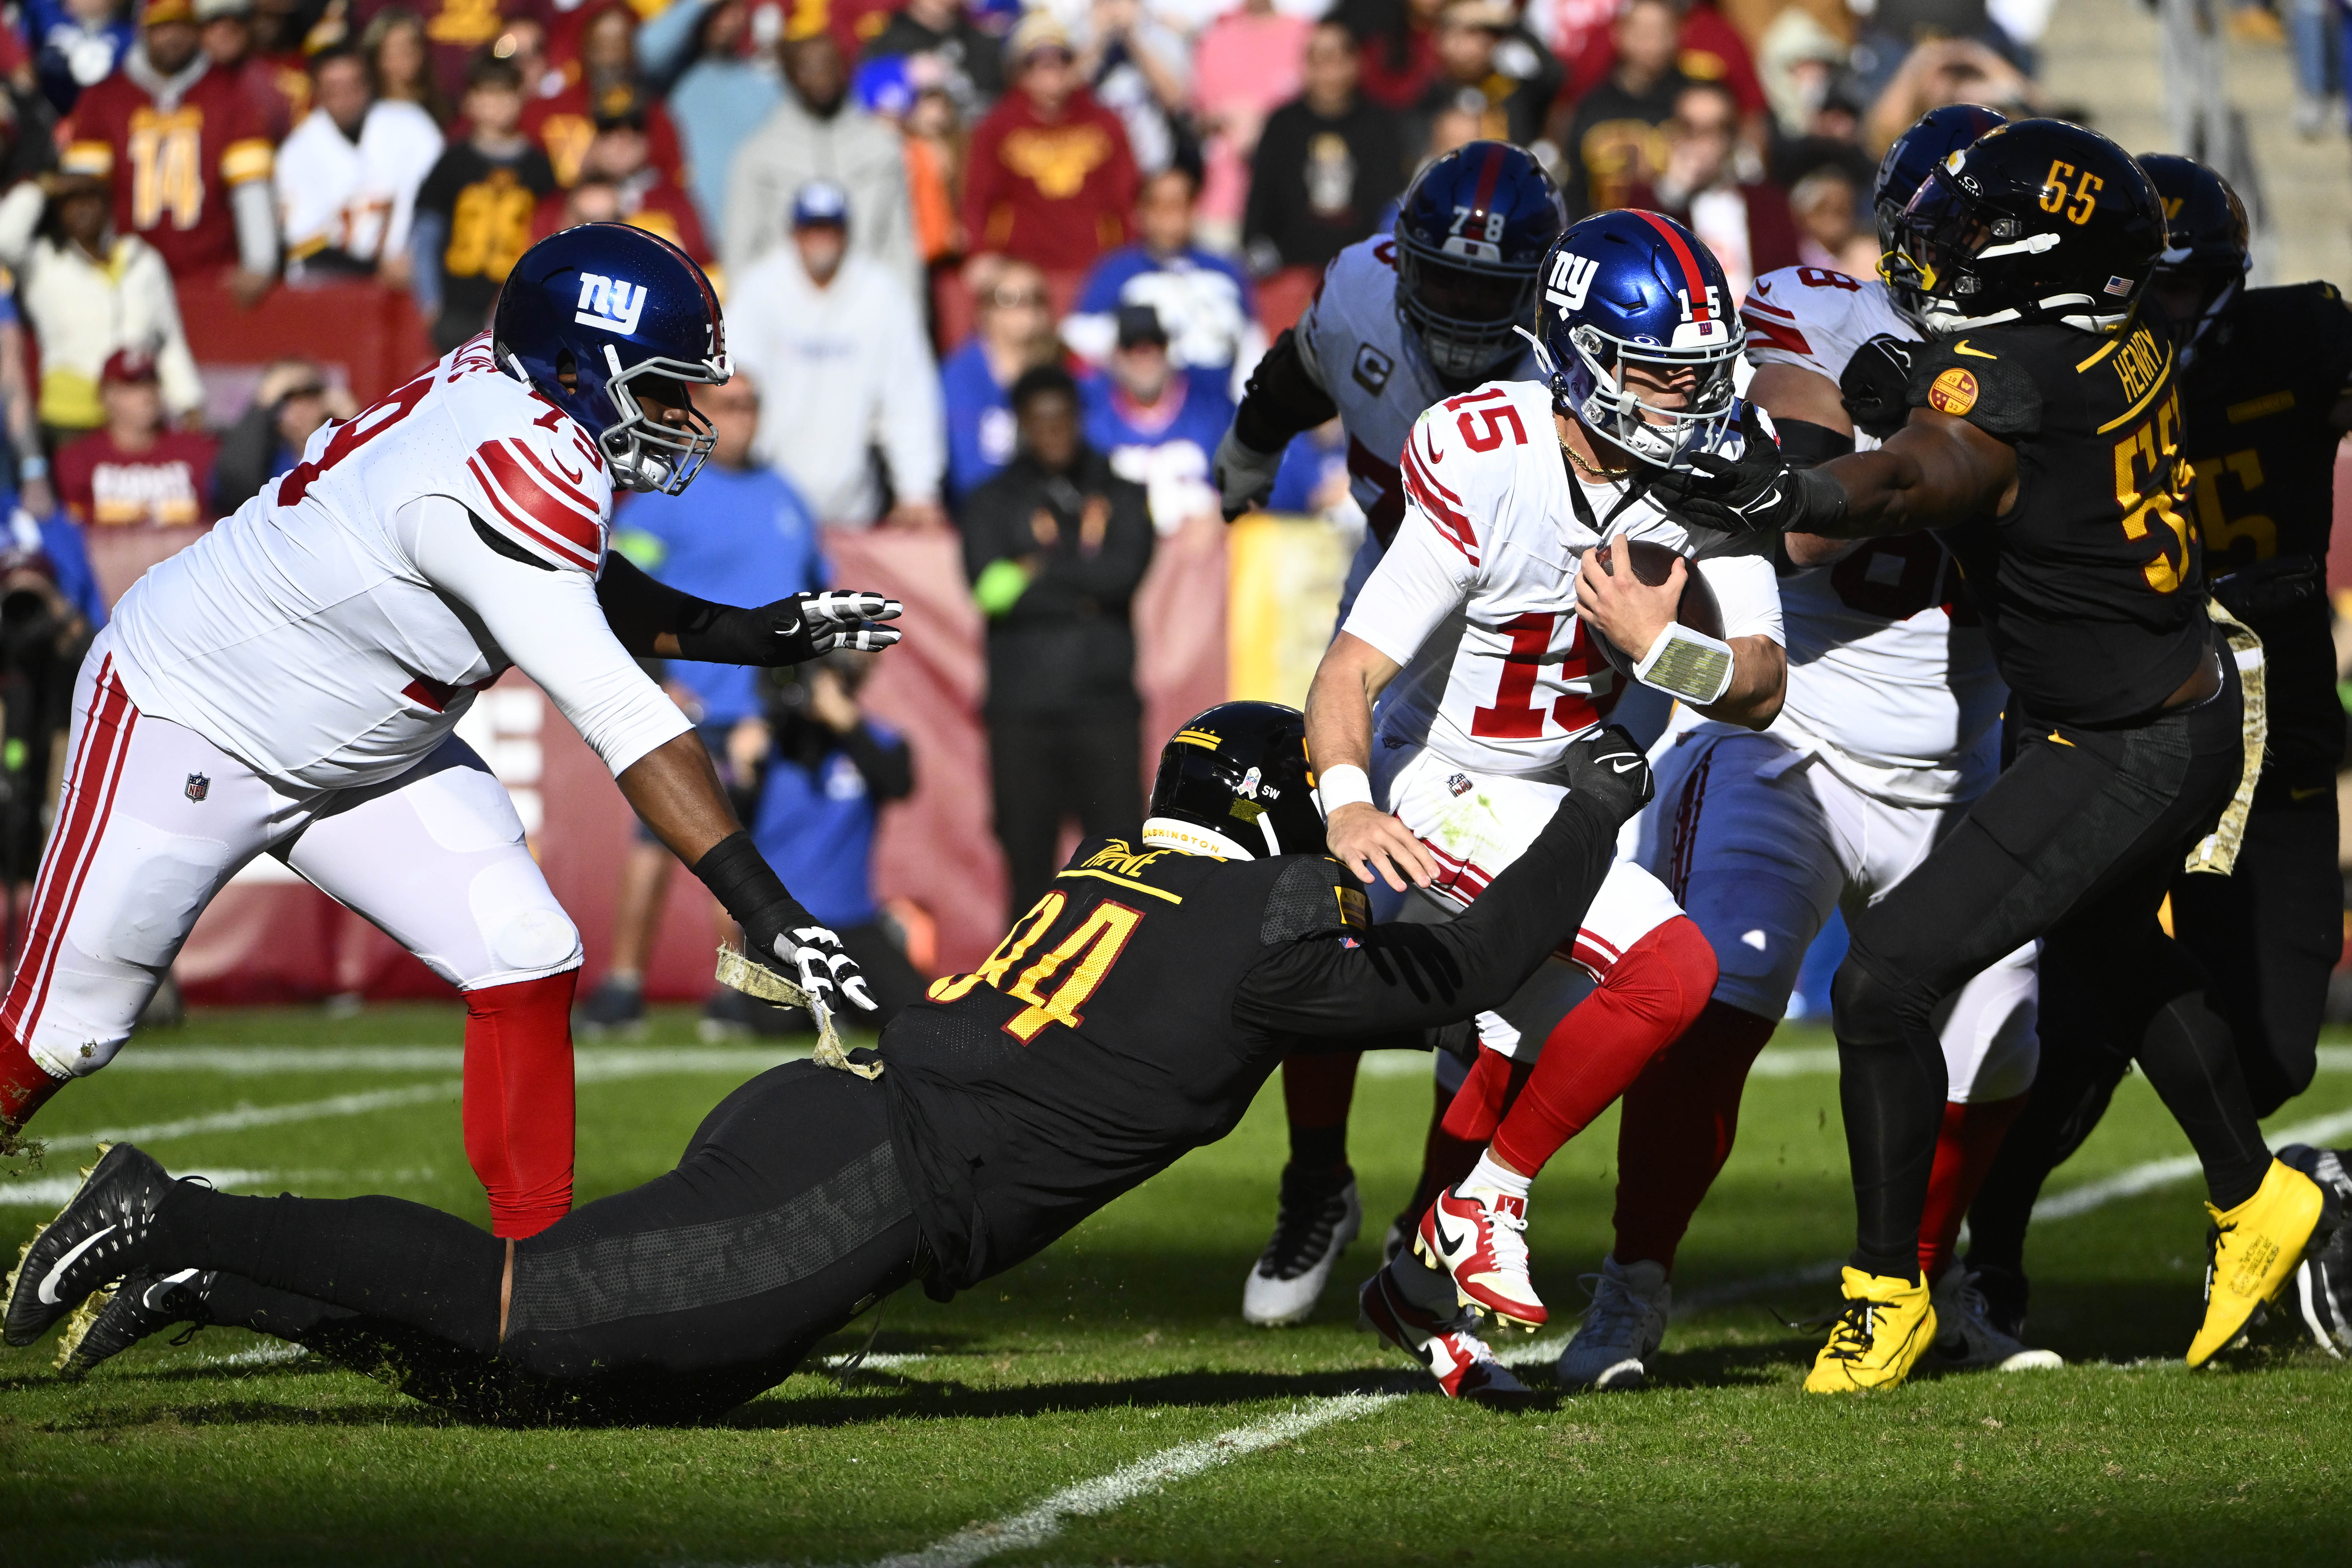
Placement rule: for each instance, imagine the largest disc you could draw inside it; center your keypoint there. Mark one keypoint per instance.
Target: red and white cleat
(1480, 1237)
(1450, 1351)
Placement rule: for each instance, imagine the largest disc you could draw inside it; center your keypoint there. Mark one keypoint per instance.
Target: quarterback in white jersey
(1890, 730)
(290, 684)
(1490, 637)
(1402, 321)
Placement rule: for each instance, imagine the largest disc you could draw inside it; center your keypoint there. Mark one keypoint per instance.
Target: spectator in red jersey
(1746, 224)
(191, 159)
(565, 123)
(1398, 41)
(140, 489)
(226, 33)
(1049, 179)
(618, 154)
(400, 58)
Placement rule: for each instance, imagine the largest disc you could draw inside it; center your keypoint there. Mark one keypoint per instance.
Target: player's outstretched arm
(1360, 835)
(1285, 397)
(654, 620)
(1399, 977)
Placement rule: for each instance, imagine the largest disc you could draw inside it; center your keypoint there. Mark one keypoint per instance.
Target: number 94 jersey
(1477, 598)
(1886, 663)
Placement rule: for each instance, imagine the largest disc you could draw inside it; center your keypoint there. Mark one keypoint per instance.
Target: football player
(1401, 321)
(290, 686)
(1489, 639)
(1890, 728)
(2044, 440)
(2262, 435)
(1131, 1015)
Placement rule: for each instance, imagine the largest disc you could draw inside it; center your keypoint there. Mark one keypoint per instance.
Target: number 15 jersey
(1477, 599)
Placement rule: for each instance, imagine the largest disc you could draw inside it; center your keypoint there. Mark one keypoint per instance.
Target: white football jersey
(1357, 347)
(1877, 666)
(1477, 598)
(335, 629)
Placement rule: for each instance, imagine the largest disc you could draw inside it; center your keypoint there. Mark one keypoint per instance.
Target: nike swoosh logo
(1627, 766)
(1445, 1243)
(48, 1290)
(1962, 348)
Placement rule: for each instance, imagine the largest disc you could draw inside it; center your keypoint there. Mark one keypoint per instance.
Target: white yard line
(2074, 1201)
(1033, 1527)
(248, 1116)
(590, 1063)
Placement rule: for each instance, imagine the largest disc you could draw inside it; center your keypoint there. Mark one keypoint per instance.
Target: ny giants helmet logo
(609, 303)
(1572, 280)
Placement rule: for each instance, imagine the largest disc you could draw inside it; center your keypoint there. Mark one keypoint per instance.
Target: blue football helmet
(1471, 235)
(1934, 137)
(612, 305)
(1634, 289)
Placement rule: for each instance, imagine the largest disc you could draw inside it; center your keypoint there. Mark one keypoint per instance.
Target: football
(1652, 563)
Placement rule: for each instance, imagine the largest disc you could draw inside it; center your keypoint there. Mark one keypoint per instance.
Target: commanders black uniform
(2093, 598)
(2259, 453)
(1131, 1016)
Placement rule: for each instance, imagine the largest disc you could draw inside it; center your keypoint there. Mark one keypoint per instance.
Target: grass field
(1105, 1403)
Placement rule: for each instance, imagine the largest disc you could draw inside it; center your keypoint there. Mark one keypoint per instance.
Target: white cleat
(1319, 1217)
(1965, 1337)
(1622, 1328)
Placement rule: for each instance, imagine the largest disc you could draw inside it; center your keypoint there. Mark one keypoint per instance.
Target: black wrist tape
(743, 881)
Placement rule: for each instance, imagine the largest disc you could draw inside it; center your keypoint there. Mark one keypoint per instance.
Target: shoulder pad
(1815, 319)
(1311, 895)
(1443, 476)
(541, 484)
(1987, 388)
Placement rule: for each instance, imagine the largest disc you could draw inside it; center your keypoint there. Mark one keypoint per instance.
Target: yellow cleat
(2254, 1249)
(1887, 1324)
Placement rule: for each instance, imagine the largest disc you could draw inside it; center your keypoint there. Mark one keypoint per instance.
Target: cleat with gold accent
(1887, 1325)
(2253, 1251)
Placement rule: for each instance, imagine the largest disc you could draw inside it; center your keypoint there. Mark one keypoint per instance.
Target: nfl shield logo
(199, 786)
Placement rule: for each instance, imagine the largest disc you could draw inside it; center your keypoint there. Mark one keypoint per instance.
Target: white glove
(836, 619)
(814, 953)
(1244, 478)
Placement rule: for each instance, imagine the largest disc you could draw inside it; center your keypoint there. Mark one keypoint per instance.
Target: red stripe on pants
(65, 867)
(1966, 1146)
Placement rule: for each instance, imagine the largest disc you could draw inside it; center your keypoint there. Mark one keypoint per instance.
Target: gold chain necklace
(1604, 475)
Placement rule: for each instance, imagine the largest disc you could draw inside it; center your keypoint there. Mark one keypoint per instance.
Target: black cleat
(101, 1234)
(2005, 1294)
(2321, 1289)
(146, 1303)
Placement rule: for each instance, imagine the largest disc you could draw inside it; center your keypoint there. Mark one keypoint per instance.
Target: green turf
(1124, 1341)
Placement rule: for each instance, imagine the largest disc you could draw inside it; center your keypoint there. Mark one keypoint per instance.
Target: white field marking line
(590, 1063)
(1032, 1528)
(2073, 1202)
(880, 1360)
(55, 1192)
(275, 1353)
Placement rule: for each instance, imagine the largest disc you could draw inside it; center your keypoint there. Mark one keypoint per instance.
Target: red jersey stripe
(546, 508)
(564, 488)
(530, 530)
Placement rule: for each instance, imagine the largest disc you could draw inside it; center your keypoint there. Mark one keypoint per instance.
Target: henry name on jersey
(1477, 598)
(1891, 691)
(334, 630)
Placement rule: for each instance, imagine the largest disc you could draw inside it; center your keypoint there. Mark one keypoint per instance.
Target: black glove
(792, 630)
(2269, 589)
(1877, 385)
(1756, 492)
(779, 934)
(1608, 765)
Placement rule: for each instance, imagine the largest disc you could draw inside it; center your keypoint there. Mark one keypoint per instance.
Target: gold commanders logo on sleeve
(1954, 391)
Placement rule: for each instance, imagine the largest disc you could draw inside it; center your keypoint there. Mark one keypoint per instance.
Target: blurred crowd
(985, 268)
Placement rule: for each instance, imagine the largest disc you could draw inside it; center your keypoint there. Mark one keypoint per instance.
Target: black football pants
(2267, 935)
(1089, 766)
(674, 1301)
(2075, 844)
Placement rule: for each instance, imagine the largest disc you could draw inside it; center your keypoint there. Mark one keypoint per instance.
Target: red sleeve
(983, 178)
(76, 463)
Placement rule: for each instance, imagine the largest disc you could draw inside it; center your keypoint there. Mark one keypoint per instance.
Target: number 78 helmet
(1634, 289)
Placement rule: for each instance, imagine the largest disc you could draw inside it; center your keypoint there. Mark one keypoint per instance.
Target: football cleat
(1319, 1216)
(2252, 1251)
(98, 1238)
(113, 1320)
(1966, 1337)
(1450, 1349)
(1887, 1323)
(1479, 1235)
(2323, 1281)
(1622, 1328)
(613, 1008)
